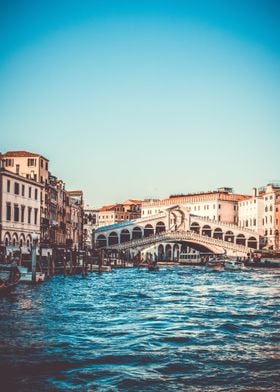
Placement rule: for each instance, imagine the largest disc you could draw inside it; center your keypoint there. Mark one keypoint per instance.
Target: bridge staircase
(179, 236)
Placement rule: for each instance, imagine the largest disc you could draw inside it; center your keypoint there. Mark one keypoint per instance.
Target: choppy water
(180, 329)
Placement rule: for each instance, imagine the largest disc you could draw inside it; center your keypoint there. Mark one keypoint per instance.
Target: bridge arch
(206, 230)
(218, 233)
(229, 236)
(240, 239)
(148, 230)
(136, 233)
(113, 238)
(125, 236)
(160, 226)
(100, 241)
(195, 227)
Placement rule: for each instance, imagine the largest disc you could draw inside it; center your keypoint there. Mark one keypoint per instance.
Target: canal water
(179, 329)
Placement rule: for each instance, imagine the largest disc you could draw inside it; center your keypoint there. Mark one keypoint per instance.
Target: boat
(9, 277)
(215, 265)
(233, 265)
(26, 276)
(153, 267)
(261, 263)
(190, 258)
(100, 268)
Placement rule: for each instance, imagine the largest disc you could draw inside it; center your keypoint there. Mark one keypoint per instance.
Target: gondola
(9, 277)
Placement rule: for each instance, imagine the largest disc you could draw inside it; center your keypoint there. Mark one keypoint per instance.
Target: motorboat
(9, 277)
(186, 258)
(215, 265)
(100, 268)
(26, 276)
(233, 265)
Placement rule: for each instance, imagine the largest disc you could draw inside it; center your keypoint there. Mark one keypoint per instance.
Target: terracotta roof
(133, 201)
(22, 154)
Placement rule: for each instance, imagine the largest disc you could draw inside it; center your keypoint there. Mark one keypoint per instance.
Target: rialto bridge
(167, 231)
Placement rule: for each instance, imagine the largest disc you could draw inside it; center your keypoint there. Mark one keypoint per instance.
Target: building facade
(20, 210)
(220, 205)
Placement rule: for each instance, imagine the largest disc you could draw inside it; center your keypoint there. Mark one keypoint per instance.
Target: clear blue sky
(131, 99)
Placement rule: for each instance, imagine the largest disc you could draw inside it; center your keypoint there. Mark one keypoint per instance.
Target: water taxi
(233, 265)
(215, 265)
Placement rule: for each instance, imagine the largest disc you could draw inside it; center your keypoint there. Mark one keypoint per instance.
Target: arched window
(113, 238)
(136, 233)
(195, 227)
(125, 236)
(101, 241)
(160, 226)
(148, 231)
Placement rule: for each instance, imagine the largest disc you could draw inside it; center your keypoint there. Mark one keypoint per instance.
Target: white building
(220, 205)
(250, 213)
(20, 200)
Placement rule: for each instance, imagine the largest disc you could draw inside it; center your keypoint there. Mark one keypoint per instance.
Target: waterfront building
(111, 214)
(90, 223)
(20, 210)
(270, 194)
(61, 216)
(35, 167)
(76, 203)
(250, 212)
(220, 205)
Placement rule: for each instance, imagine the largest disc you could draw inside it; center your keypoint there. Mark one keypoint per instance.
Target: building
(61, 216)
(76, 203)
(250, 212)
(220, 205)
(114, 213)
(91, 216)
(35, 167)
(270, 194)
(20, 210)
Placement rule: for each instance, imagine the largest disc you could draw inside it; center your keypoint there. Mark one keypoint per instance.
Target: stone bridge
(178, 225)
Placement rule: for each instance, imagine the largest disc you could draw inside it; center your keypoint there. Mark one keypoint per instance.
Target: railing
(179, 236)
(221, 223)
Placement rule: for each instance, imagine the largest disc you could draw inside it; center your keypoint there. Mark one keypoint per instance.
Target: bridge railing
(220, 223)
(179, 236)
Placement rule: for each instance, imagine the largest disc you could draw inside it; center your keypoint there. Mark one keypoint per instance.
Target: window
(17, 169)
(8, 211)
(31, 162)
(22, 214)
(29, 195)
(219, 206)
(29, 214)
(9, 162)
(36, 193)
(8, 185)
(35, 215)
(254, 222)
(16, 213)
(46, 165)
(22, 190)
(16, 188)
(42, 163)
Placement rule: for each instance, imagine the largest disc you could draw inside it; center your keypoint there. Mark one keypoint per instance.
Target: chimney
(254, 192)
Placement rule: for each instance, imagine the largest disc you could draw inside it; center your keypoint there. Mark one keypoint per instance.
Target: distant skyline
(137, 99)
